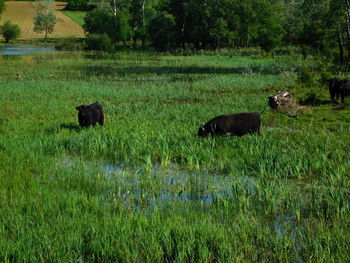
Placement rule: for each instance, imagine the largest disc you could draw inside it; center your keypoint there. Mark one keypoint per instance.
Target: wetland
(144, 187)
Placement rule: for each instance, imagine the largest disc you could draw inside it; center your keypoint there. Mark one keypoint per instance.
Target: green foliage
(307, 76)
(2, 6)
(101, 21)
(99, 42)
(124, 30)
(10, 31)
(311, 99)
(325, 76)
(79, 5)
(45, 22)
(161, 30)
(69, 43)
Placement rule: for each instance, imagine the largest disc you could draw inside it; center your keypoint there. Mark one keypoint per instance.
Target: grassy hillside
(22, 13)
(76, 16)
(144, 187)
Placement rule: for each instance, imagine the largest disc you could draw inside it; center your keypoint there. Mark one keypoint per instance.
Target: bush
(99, 42)
(325, 76)
(69, 43)
(307, 77)
(311, 99)
(10, 31)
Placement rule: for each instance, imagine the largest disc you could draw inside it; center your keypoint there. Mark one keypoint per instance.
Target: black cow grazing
(344, 89)
(335, 86)
(90, 114)
(237, 124)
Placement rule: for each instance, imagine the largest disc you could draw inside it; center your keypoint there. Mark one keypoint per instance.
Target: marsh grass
(137, 189)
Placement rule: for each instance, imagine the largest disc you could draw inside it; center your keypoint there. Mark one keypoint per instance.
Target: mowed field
(22, 13)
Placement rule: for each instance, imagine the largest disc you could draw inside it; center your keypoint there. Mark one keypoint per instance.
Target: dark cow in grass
(237, 124)
(90, 114)
(334, 87)
(344, 89)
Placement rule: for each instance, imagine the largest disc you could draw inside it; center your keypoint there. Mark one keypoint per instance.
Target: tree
(10, 31)
(45, 22)
(2, 6)
(99, 42)
(102, 20)
(161, 30)
(44, 18)
(269, 26)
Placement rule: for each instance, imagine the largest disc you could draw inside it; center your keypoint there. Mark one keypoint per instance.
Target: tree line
(315, 25)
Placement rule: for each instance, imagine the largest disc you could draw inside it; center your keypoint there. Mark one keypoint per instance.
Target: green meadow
(144, 187)
(76, 16)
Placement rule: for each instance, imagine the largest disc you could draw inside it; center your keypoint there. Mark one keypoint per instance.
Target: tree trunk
(341, 49)
(348, 27)
(143, 39)
(182, 35)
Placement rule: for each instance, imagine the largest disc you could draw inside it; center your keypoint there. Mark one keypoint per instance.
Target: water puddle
(286, 225)
(18, 50)
(149, 188)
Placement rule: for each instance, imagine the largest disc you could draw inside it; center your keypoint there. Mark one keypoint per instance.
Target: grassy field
(22, 13)
(144, 187)
(76, 16)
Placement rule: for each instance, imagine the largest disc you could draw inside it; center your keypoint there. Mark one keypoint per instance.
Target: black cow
(237, 124)
(344, 89)
(335, 86)
(90, 114)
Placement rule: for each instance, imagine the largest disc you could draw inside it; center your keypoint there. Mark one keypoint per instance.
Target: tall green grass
(59, 202)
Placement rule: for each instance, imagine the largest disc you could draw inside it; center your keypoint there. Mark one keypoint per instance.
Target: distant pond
(18, 50)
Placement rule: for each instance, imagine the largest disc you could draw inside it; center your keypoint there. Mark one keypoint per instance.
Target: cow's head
(202, 132)
(80, 108)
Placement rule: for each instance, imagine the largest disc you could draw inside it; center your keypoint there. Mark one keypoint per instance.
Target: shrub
(69, 43)
(325, 76)
(311, 99)
(10, 31)
(307, 77)
(99, 42)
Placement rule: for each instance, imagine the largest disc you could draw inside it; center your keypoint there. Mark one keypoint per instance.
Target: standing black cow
(344, 89)
(90, 114)
(237, 124)
(334, 86)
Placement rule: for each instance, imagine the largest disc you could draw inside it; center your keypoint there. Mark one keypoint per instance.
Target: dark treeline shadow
(97, 70)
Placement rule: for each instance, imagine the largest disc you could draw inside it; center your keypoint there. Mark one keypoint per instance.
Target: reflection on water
(147, 189)
(18, 50)
(285, 224)
(155, 187)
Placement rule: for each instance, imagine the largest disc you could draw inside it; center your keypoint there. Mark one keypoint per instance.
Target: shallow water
(19, 50)
(147, 188)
